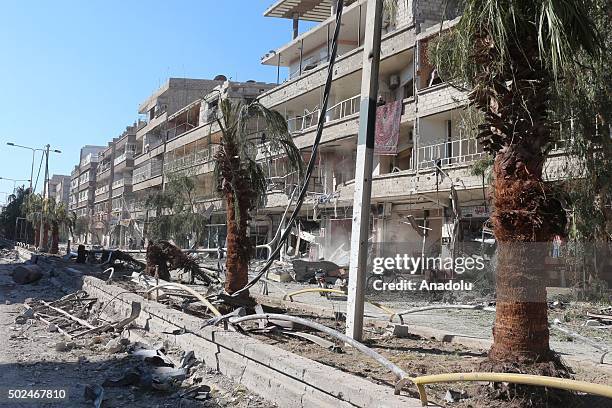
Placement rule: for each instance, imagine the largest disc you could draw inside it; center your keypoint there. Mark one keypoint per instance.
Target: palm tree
(32, 208)
(241, 175)
(513, 55)
(58, 216)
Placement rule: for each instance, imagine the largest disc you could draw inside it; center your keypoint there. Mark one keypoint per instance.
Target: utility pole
(363, 171)
(42, 210)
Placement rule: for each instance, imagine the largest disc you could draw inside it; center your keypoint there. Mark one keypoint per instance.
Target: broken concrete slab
(25, 274)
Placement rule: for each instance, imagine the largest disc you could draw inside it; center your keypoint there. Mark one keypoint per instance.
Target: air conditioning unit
(394, 81)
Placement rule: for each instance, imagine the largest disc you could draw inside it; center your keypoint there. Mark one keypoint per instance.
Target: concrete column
(296, 25)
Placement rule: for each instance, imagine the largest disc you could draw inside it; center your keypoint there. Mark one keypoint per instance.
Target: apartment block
(83, 181)
(113, 187)
(181, 140)
(418, 178)
(58, 188)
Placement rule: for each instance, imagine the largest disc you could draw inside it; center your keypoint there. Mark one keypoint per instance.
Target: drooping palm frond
(562, 27)
(251, 135)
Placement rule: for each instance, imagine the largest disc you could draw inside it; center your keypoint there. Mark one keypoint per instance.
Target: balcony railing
(195, 158)
(448, 154)
(125, 156)
(340, 110)
(101, 190)
(147, 171)
(126, 181)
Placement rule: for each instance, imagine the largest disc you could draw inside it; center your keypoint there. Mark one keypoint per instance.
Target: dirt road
(29, 361)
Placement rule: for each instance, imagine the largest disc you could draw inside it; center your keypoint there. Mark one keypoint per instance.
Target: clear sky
(73, 72)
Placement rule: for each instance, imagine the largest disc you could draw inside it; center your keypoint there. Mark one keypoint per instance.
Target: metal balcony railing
(195, 158)
(340, 110)
(101, 190)
(147, 171)
(125, 156)
(448, 154)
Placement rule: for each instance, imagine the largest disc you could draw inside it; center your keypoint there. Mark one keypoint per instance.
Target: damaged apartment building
(422, 182)
(425, 149)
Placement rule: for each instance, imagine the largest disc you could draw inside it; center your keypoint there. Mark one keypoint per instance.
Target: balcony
(448, 154)
(123, 157)
(101, 190)
(192, 160)
(150, 170)
(310, 120)
(126, 181)
(90, 158)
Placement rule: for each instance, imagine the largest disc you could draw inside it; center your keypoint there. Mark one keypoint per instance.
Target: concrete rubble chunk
(25, 274)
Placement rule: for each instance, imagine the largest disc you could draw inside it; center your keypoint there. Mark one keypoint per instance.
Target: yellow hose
(191, 291)
(526, 379)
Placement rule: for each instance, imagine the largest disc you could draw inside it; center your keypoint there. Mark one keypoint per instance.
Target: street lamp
(34, 150)
(14, 182)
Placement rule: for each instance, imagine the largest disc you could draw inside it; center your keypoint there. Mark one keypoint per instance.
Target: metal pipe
(320, 290)
(604, 350)
(526, 379)
(397, 371)
(440, 307)
(339, 292)
(190, 291)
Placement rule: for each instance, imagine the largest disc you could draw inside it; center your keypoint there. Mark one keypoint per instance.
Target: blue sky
(73, 72)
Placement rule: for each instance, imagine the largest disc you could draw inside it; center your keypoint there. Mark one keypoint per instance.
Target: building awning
(310, 10)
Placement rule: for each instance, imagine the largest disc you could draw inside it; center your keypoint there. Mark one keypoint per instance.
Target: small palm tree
(241, 175)
(514, 55)
(58, 216)
(32, 208)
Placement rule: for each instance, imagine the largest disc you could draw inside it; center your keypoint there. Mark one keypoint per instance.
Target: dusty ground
(471, 323)
(417, 357)
(29, 360)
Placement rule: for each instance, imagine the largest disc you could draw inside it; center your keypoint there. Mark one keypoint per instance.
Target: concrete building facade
(58, 188)
(417, 179)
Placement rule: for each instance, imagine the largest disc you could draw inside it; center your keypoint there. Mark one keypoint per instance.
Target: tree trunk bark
(36, 237)
(238, 246)
(54, 239)
(525, 219)
(45, 242)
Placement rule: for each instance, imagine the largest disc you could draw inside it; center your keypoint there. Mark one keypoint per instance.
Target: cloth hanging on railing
(388, 119)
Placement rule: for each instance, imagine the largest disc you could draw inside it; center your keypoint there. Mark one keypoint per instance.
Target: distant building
(58, 188)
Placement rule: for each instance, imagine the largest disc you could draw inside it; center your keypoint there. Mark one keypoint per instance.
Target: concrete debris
(25, 274)
(117, 345)
(52, 328)
(62, 346)
(95, 394)
(153, 357)
(454, 396)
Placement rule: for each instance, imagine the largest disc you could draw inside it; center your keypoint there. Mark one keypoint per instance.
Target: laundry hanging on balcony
(388, 119)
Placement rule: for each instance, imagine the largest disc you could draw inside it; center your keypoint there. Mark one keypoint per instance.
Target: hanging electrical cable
(42, 158)
(313, 156)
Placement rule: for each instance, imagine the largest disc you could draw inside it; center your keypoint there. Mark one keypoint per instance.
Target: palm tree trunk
(238, 246)
(37, 236)
(54, 239)
(525, 218)
(45, 242)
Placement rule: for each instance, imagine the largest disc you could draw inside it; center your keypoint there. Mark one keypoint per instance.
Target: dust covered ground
(29, 360)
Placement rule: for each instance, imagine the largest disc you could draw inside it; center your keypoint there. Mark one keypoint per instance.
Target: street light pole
(42, 214)
(45, 181)
(34, 150)
(363, 171)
